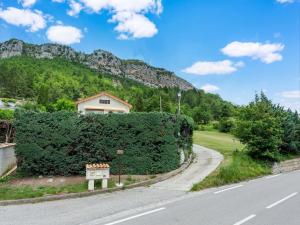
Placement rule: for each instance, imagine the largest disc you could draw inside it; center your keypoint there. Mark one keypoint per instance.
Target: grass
(237, 165)
(9, 192)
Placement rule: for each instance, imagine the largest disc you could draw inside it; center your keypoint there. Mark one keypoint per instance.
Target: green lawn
(9, 192)
(236, 167)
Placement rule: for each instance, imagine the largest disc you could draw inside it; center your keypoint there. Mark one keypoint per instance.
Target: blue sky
(233, 48)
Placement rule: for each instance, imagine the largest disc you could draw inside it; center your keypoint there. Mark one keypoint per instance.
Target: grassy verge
(9, 192)
(237, 165)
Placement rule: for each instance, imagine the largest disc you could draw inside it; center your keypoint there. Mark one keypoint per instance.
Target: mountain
(100, 60)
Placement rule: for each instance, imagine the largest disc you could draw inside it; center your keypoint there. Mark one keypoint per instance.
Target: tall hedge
(61, 143)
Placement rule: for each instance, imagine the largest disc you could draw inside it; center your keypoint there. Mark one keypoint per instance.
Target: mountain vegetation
(99, 60)
(55, 84)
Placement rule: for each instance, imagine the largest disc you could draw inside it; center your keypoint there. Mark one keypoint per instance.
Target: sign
(97, 174)
(120, 152)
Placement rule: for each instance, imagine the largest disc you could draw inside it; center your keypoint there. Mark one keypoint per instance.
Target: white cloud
(75, 8)
(210, 67)
(33, 20)
(59, 1)
(27, 3)
(289, 99)
(267, 53)
(64, 34)
(209, 88)
(133, 25)
(285, 1)
(290, 94)
(129, 15)
(137, 6)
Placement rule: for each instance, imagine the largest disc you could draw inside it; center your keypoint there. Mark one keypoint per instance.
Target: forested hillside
(99, 60)
(49, 82)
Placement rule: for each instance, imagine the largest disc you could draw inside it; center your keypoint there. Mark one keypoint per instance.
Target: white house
(102, 103)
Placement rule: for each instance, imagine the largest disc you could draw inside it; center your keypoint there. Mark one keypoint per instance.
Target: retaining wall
(7, 157)
(286, 166)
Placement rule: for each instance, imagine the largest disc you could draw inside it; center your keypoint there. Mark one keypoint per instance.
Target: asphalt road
(271, 200)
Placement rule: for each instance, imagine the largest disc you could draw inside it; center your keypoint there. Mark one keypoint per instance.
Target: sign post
(119, 154)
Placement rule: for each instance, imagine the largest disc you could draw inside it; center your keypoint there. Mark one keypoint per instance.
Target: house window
(102, 101)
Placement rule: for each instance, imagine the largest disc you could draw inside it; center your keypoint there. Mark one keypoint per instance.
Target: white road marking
(227, 189)
(136, 216)
(282, 200)
(245, 220)
(269, 177)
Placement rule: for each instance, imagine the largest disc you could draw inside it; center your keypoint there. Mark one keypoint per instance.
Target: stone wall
(286, 166)
(7, 157)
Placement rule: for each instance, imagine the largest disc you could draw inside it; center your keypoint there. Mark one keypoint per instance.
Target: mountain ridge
(99, 60)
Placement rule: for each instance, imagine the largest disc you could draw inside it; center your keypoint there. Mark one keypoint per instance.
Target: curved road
(272, 200)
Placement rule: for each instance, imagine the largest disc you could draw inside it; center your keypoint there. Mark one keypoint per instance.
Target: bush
(226, 125)
(61, 143)
(260, 128)
(6, 114)
(6, 130)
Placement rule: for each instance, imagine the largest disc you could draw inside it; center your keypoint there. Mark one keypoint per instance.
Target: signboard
(97, 174)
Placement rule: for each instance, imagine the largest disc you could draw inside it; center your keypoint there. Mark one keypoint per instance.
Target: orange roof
(106, 94)
(97, 166)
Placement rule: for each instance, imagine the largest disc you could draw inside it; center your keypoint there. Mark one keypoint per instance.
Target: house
(102, 103)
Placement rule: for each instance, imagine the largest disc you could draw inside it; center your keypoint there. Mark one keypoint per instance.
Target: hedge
(61, 143)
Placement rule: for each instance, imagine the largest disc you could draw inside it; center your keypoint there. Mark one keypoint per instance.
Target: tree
(260, 128)
(290, 140)
(201, 115)
(64, 105)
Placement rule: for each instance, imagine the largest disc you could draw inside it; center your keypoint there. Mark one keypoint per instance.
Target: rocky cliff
(102, 61)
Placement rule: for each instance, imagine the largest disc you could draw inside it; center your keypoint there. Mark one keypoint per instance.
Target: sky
(234, 48)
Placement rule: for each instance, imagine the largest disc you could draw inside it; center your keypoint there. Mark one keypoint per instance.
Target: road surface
(273, 200)
(205, 161)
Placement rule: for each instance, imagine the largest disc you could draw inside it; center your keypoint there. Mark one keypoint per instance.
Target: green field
(237, 165)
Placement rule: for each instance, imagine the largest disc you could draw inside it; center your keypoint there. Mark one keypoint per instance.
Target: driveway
(205, 161)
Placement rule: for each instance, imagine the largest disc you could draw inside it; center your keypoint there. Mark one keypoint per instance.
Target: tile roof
(97, 166)
(101, 94)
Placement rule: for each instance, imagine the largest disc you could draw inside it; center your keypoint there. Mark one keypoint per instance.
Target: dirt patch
(61, 180)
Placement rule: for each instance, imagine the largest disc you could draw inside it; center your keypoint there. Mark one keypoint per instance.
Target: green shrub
(61, 143)
(226, 125)
(6, 114)
(260, 128)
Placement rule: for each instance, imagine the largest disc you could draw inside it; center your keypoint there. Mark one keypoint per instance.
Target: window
(102, 101)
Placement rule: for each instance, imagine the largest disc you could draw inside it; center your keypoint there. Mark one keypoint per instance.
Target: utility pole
(179, 100)
(160, 107)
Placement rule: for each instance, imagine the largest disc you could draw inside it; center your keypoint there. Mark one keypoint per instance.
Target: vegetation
(268, 130)
(62, 143)
(6, 114)
(53, 84)
(236, 167)
(10, 192)
(6, 129)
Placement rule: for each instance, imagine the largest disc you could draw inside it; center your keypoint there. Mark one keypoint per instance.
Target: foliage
(6, 114)
(63, 105)
(291, 132)
(61, 143)
(226, 125)
(6, 129)
(241, 168)
(236, 167)
(10, 192)
(201, 115)
(45, 82)
(260, 128)
(33, 106)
